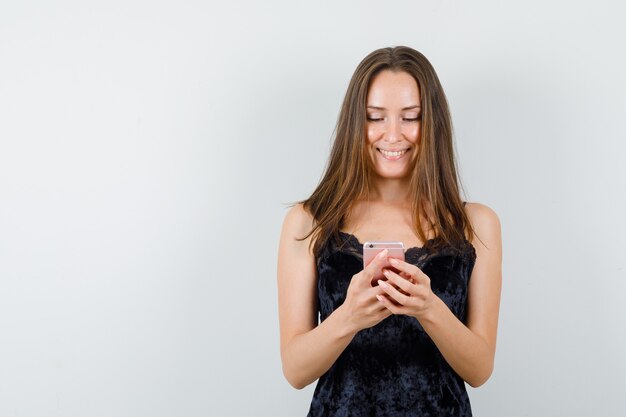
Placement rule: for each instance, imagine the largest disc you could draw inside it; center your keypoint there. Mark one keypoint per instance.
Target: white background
(148, 150)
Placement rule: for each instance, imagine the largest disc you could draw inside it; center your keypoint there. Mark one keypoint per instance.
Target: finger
(408, 268)
(375, 308)
(393, 293)
(384, 278)
(379, 291)
(376, 264)
(388, 304)
(380, 306)
(401, 282)
(375, 290)
(402, 274)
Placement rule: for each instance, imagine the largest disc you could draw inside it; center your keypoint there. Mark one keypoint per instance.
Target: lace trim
(417, 255)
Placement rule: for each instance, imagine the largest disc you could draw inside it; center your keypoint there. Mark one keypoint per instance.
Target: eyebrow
(382, 108)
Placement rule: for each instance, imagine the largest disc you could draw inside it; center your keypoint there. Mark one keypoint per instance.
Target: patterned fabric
(392, 368)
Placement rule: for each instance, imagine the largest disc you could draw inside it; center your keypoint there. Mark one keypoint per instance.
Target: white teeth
(387, 153)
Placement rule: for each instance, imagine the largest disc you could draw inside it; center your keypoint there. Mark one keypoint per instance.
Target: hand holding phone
(371, 249)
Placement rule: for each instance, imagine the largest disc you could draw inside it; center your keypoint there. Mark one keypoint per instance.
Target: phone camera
(371, 245)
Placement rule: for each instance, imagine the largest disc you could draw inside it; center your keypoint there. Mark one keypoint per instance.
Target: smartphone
(371, 249)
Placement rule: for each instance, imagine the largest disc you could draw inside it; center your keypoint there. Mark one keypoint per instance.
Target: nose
(394, 132)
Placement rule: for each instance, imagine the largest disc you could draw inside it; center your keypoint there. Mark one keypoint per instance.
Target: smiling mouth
(392, 155)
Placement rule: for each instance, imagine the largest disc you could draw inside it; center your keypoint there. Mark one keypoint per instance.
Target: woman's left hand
(411, 290)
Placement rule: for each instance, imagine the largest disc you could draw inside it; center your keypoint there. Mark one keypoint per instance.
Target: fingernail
(383, 253)
(393, 261)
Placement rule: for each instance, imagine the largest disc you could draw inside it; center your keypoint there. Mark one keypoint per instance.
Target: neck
(391, 191)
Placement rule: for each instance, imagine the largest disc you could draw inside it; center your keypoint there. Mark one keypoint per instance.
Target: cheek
(373, 133)
(413, 132)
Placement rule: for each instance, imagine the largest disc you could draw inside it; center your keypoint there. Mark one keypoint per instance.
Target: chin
(393, 175)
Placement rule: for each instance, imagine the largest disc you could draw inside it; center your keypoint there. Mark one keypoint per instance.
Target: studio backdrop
(148, 151)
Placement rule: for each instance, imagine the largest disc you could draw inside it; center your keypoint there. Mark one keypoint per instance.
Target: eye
(374, 119)
(412, 119)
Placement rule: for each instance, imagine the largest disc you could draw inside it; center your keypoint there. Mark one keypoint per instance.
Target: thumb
(374, 267)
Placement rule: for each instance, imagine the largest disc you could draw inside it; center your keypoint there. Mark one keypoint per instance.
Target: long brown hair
(434, 185)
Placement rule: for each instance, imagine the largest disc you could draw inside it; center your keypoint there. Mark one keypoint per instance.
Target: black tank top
(393, 368)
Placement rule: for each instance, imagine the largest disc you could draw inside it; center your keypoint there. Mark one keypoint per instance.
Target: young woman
(407, 344)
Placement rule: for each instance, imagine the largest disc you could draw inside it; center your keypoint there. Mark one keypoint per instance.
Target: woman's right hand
(361, 306)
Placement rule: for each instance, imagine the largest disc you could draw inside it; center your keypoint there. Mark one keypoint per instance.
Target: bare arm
(308, 351)
(469, 349)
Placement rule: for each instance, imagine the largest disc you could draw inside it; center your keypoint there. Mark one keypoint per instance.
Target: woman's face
(393, 123)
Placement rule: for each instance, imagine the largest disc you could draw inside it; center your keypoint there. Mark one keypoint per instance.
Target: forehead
(392, 88)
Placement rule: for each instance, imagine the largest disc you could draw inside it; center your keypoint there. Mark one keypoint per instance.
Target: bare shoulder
(486, 224)
(296, 276)
(298, 223)
(298, 219)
